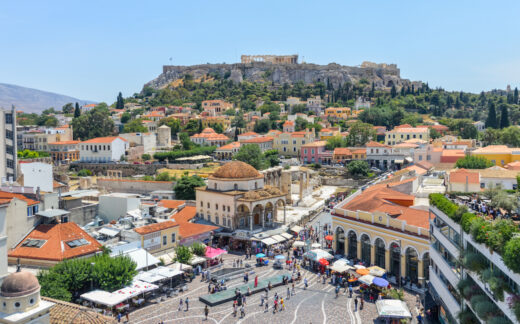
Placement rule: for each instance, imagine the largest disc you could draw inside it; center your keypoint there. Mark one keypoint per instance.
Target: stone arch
(380, 238)
(380, 253)
(412, 264)
(257, 213)
(410, 247)
(242, 216)
(365, 249)
(280, 203)
(269, 209)
(395, 250)
(425, 258)
(352, 244)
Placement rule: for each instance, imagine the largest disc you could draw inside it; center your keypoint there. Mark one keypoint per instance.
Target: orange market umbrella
(363, 271)
(329, 238)
(324, 262)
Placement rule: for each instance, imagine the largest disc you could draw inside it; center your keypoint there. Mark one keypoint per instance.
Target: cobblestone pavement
(316, 304)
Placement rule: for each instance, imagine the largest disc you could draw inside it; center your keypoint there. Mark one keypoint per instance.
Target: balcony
(448, 244)
(444, 267)
(447, 298)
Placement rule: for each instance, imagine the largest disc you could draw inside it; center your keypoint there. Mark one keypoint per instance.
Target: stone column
(251, 222)
(284, 219)
(420, 272)
(263, 219)
(387, 260)
(301, 185)
(372, 254)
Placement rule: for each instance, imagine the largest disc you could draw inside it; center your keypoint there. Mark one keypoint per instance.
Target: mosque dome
(19, 284)
(236, 170)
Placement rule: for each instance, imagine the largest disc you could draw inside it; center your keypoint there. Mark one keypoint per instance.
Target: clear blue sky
(94, 49)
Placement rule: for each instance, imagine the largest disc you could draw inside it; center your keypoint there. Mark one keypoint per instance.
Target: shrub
(183, 254)
(501, 232)
(467, 317)
(474, 261)
(146, 157)
(479, 230)
(465, 287)
(511, 253)
(173, 155)
(473, 162)
(485, 309)
(496, 282)
(163, 176)
(84, 173)
(198, 249)
(499, 320)
(444, 204)
(477, 299)
(466, 220)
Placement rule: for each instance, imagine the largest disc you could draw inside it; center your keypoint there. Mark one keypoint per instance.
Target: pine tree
(236, 134)
(402, 92)
(491, 121)
(120, 103)
(413, 89)
(504, 116)
(393, 91)
(200, 126)
(77, 111)
(515, 96)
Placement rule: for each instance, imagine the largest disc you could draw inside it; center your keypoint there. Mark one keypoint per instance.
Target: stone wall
(131, 169)
(133, 186)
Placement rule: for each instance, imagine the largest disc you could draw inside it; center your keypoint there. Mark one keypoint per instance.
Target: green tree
(393, 91)
(185, 187)
(198, 249)
(84, 173)
(238, 121)
(191, 127)
(262, 126)
(491, 121)
(77, 111)
(473, 162)
(125, 117)
(120, 102)
(185, 141)
(434, 134)
(515, 96)
(252, 155)
(218, 128)
(510, 136)
(360, 133)
(146, 157)
(272, 157)
(183, 254)
(163, 176)
(135, 126)
(68, 108)
(504, 116)
(95, 123)
(335, 141)
(359, 168)
(300, 124)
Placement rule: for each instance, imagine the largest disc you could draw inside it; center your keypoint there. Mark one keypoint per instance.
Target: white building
(103, 149)
(37, 175)
(480, 126)
(8, 144)
(115, 205)
(146, 140)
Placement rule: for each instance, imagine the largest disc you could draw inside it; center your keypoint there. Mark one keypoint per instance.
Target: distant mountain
(32, 100)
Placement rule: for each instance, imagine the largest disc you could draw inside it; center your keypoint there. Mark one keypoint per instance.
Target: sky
(92, 49)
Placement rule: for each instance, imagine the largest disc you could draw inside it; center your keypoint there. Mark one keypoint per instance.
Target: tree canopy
(359, 168)
(94, 123)
(185, 187)
(473, 162)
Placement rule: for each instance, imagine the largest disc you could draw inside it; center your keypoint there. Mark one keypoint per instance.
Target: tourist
(349, 291)
(289, 293)
(293, 292)
(355, 304)
(269, 285)
(187, 302)
(362, 303)
(275, 306)
(209, 287)
(243, 299)
(256, 281)
(119, 317)
(248, 291)
(206, 312)
(282, 304)
(337, 291)
(126, 315)
(305, 283)
(235, 308)
(242, 311)
(266, 306)
(261, 301)
(180, 304)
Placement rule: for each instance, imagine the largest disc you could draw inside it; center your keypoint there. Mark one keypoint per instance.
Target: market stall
(377, 271)
(104, 298)
(393, 309)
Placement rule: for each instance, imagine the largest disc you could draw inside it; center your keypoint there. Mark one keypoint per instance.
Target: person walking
(206, 312)
(180, 305)
(187, 302)
(349, 291)
(362, 303)
(261, 301)
(355, 304)
(293, 291)
(235, 308)
(256, 281)
(282, 304)
(242, 311)
(119, 317)
(266, 306)
(275, 306)
(288, 293)
(305, 283)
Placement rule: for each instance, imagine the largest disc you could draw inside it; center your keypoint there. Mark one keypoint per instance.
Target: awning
(197, 259)
(296, 229)
(166, 272)
(366, 279)
(269, 241)
(408, 159)
(376, 271)
(168, 258)
(149, 277)
(177, 266)
(109, 231)
(340, 266)
(141, 257)
(298, 244)
(392, 308)
(278, 238)
(287, 236)
(399, 161)
(136, 288)
(104, 298)
(51, 213)
(318, 254)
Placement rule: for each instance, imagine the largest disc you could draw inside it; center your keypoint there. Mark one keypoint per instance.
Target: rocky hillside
(32, 100)
(383, 75)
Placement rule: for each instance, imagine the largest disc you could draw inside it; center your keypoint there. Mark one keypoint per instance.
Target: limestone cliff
(383, 75)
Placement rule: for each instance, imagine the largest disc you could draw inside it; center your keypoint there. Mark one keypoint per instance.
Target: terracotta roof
(463, 175)
(261, 139)
(229, 146)
(185, 215)
(249, 134)
(288, 123)
(9, 195)
(409, 130)
(342, 151)
(418, 169)
(104, 139)
(192, 229)
(376, 144)
(56, 248)
(415, 217)
(56, 184)
(64, 143)
(147, 229)
(236, 170)
(406, 145)
(315, 144)
(459, 153)
(493, 149)
(497, 172)
(513, 166)
(359, 151)
(171, 204)
(425, 165)
(65, 313)
(208, 130)
(325, 130)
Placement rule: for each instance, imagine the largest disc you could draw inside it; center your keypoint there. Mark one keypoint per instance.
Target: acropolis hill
(286, 69)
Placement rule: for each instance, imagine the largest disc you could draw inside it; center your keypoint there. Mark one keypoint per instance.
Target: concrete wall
(37, 174)
(84, 214)
(133, 186)
(113, 206)
(18, 223)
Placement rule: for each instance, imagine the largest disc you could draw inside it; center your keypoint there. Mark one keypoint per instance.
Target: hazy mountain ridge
(33, 100)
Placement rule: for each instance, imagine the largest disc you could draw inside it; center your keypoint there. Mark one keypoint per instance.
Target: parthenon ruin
(274, 59)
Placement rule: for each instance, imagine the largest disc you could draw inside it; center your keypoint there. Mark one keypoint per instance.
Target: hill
(334, 75)
(33, 100)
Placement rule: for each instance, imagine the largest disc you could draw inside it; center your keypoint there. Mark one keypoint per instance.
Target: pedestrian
(235, 308)
(180, 304)
(209, 287)
(282, 304)
(419, 318)
(293, 292)
(262, 300)
(187, 302)
(266, 306)
(305, 283)
(275, 308)
(119, 317)
(126, 315)
(362, 303)
(256, 281)
(288, 293)
(349, 291)
(242, 311)
(206, 312)
(355, 304)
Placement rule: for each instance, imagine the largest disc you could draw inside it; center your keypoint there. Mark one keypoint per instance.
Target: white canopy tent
(177, 266)
(149, 277)
(296, 229)
(366, 279)
(166, 272)
(392, 308)
(376, 271)
(298, 244)
(197, 259)
(278, 238)
(287, 235)
(105, 298)
(269, 241)
(136, 288)
(340, 266)
(318, 254)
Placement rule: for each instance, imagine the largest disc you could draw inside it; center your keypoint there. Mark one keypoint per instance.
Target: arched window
(412, 260)
(352, 245)
(395, 260)
(340, 241)
(365, 249)
(216, 206)
(236, 186)
(380, 253)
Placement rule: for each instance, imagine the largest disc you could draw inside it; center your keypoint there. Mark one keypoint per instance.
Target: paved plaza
(316, 304)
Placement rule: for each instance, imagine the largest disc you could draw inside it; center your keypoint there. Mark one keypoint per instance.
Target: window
(201, 204)
(294, 142)
(173, 237)
(420, 136)
(77, 243)
(8, 118)
(420, 157)
(208, 205)
(29, 211)
(216, 206)
(312, 151)
(482, 185)
(493, 161)
(305, 151)
(228, 209)
(8, 134)
(235, 186)
(33, 243)
(108, 147)
(428, 157)
(216, 220)
(17, 304)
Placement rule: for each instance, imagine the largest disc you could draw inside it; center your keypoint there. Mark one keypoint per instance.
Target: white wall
(37, 174)
(113, 206)
(102, 152)
(504, 183)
